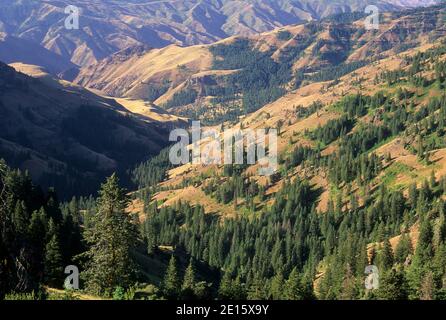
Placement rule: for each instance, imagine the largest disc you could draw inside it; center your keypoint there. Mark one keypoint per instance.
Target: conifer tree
(422, 258)
(403, 249)
(225, 290)
(392, 286)
(53, 262)
(277, 283)
(439, 265)
(256, 290)
(151, 238)
(238, 291)
(171, 283)
(37, 234)
(188, 287)
(385, 256)
(427, 290)
(348, 289)
(112, 238)
(293, 290)
(20, 218)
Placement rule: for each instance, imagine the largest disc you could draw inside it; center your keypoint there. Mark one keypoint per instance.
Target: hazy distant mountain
(107, 26)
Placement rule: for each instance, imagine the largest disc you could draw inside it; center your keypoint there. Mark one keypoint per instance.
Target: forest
(269, 238)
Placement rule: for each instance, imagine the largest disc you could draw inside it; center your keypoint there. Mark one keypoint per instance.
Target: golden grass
(148, 110)
(132, 77)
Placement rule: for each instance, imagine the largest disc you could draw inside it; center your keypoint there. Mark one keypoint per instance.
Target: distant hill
(108, 26)
(238, 75)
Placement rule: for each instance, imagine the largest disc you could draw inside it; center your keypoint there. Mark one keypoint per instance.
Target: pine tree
(392, 286)
(112, 238)
(293, 290)
(427, 289)
(70, 237)
(257, 290)
(225, 290)
(439, 265)
(151, 238)
(403, 249)
(38, 228)
(37, 234)
(20, 218)
(171, 283)
(348, 289)
(422, 259)
(238, 291)
(188, 287)
(277, 283)
(385, 256)
(53, 262)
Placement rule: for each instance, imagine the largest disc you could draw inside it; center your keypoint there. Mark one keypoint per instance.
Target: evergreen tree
(257, 290)
(20, 218)
(439, 265)
(385, 256)
(188, 287)
(392, 286)
(422, 259)
(293, 290)
(238, 290)
(403, 249)
(427, 290)
(277, 284)
(112, 238)
(225, 290)
(53, 262)
(349, 290)
(171, 283)
(151, 237)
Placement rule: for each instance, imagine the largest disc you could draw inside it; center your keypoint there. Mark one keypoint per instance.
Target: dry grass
(195, 196)
(148, 110)
(133, 76)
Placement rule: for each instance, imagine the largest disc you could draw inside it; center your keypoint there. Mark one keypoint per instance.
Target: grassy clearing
(393, 172)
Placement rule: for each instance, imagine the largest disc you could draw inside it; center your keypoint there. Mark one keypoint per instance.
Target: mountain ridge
(193, 81)
(109, 26)
(69, 137)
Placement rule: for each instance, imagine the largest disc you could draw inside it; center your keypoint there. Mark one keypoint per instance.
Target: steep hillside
(69, 137)
(20, 50)
(238, 75)
(361, 181)
(143, 73)
(108, 26)
(361, 170)
(315, 106)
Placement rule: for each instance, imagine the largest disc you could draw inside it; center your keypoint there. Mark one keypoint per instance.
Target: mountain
(405, 59)
(14, 49)
(361, 179)
(360, 184)
(143, 73)
(69, 137)
(238, 75)
(108, 26)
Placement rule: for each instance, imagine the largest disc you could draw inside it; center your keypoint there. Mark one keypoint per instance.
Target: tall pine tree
(111, 238)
